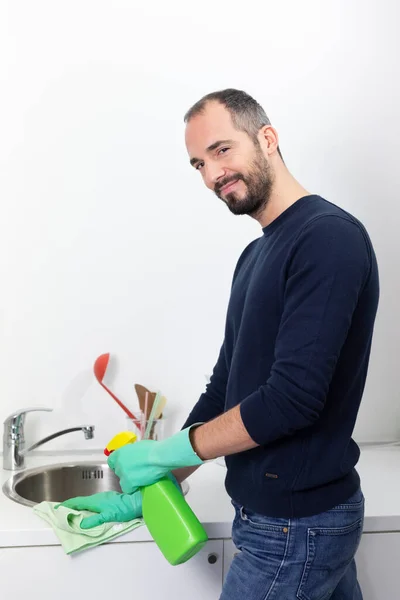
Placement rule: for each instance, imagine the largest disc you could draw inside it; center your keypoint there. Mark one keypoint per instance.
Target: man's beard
(258, 181)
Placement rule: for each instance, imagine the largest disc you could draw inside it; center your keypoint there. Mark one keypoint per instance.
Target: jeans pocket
(261, 535)
(329, 553)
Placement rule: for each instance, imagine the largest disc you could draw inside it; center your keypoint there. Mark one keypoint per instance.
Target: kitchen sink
(58, 482)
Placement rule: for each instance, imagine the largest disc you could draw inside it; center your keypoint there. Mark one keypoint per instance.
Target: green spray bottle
(171, 522)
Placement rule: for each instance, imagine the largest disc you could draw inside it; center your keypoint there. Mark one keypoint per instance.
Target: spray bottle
(171, 522)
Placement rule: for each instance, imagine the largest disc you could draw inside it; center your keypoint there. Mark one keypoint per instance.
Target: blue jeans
(310, 558)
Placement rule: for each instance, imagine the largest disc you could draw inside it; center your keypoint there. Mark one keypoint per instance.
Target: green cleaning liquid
(171, 522)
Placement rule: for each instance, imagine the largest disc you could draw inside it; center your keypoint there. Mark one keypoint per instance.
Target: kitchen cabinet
(377, 559)
(378, 562)
(45, 572)
(113, 570)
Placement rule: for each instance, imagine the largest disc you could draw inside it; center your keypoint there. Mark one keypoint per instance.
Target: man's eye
(201, 164)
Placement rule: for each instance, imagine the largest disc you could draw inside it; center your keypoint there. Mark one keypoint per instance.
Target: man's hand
(146, 462)
(108, 507)
(137, 465)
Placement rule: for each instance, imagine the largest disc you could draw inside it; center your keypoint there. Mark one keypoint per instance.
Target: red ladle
(99, 368)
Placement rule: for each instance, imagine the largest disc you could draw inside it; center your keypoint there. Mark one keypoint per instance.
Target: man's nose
(214, 173)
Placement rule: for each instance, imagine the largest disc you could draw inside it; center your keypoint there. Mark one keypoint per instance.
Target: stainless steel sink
(58, 482)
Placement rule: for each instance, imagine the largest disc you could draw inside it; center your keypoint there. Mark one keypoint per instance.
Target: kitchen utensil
(141, 392)
(158, 417)
(160, 408)
(99, 368)
(146, 395)
(152, 416)
(146, 408)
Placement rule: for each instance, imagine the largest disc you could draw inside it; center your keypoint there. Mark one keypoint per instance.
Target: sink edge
(8, 487)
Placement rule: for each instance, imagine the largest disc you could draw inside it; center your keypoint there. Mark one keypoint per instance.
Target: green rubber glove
(109, 506)
(148, 461)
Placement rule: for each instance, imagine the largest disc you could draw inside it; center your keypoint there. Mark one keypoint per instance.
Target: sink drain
(92, 474)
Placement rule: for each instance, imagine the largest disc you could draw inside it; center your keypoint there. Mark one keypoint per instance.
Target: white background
(109, 242)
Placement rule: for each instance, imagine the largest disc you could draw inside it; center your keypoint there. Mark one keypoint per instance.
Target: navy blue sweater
(295, 357)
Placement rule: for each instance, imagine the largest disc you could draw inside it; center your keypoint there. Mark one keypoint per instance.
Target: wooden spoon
(141, 393)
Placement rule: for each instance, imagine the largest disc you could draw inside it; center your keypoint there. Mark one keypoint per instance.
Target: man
(284, 395)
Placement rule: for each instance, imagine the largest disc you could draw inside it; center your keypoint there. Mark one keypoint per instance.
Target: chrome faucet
(14, 451)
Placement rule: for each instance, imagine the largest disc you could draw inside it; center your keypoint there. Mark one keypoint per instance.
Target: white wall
(109, 241)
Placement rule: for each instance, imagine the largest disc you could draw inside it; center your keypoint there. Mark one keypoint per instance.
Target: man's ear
(269, 139)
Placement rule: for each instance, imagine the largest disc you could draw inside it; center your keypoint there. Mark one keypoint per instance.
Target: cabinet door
(378, 563)
(118, 569)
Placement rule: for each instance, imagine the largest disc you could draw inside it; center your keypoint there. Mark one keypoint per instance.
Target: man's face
(231, 164)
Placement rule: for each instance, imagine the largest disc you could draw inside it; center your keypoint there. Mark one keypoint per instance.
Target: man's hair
(246, 114)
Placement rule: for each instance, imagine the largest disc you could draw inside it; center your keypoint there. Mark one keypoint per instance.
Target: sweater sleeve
(325, 275)
(212, 402)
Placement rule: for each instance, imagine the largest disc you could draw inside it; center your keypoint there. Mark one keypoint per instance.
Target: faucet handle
(17, 418)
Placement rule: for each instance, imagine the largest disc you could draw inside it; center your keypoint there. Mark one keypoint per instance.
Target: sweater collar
(286, 214)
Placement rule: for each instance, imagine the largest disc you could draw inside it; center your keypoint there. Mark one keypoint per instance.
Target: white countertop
(379, 469)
